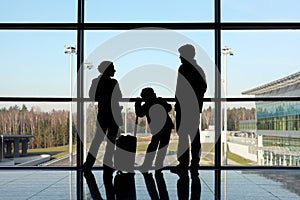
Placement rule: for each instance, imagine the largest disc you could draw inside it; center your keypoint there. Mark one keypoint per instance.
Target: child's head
(148, 94)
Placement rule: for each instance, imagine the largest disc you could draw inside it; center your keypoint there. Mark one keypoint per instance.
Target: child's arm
(165, 104)
(139, 109)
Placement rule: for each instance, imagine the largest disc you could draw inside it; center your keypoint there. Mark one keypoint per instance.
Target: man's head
(106, 67)
(187, 52)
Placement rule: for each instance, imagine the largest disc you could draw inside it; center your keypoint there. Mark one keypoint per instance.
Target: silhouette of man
(190, 89)
(160, 123)
(105, 90)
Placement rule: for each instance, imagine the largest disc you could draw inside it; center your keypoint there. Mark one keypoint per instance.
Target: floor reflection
(290, 179)
(157, 189)
(92, 185)
(183, 189)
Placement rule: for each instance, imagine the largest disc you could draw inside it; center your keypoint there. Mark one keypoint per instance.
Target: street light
(225, 51)
(70, 50)
(87, 66)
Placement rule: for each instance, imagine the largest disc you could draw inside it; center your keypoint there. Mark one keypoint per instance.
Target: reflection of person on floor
(92, 184)
(183, 188)
(160, 185)
(105, 90)
(156, 110)
(190, 89)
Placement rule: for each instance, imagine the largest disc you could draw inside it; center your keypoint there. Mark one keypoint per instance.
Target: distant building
(278, 123)
(248, 125)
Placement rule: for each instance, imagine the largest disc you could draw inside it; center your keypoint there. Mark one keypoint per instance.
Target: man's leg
(183, 152)
(183, 142)
(196, 153)
(182, 149)
(196, 149)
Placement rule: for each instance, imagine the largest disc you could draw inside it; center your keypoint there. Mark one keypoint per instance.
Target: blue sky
(33, 63)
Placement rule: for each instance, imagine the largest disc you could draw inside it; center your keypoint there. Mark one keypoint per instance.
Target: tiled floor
(31, 185)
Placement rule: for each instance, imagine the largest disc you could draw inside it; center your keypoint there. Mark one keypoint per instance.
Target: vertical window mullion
(80, 96)
(217, 100)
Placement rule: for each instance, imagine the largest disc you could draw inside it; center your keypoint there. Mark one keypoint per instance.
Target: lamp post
(70, 50)
(225, 51)
(87, 66)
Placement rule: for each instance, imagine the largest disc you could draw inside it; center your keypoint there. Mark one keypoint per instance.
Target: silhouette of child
(156, 111)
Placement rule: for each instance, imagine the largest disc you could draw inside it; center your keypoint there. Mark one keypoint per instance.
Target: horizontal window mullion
(259, 26)
(61, 99)
(39, 26)
(35, 99)
(158, 26)
(74, 168)
(243, 99)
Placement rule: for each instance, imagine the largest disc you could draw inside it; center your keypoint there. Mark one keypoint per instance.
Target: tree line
(51, 129)
(234, 116)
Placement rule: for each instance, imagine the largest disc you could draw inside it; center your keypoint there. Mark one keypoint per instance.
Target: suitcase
(124, 159)
(124, 156)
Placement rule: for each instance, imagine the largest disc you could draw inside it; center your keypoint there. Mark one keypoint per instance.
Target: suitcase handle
(135, 126)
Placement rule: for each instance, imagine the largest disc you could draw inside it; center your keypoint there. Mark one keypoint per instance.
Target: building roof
(275, 85)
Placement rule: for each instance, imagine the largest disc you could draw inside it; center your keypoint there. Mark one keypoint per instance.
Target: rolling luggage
(124, 156)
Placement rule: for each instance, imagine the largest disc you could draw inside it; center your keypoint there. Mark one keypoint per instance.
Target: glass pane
(207, 134)
(264, 134)
(144, 134)
(148, 11)
(147, 57)
(262, 63)
(38, 11)
(34, 63)
(38, 184)
(36, 134)
(265, 184)
(260, 11)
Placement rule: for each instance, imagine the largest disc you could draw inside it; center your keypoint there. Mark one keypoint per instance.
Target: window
(250, 58)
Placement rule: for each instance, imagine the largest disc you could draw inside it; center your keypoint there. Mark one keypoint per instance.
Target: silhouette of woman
(105, 90)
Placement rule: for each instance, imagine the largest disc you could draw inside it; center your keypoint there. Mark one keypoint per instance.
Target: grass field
(238, 159)
(60, 151)
(206, 147)
(55, 152)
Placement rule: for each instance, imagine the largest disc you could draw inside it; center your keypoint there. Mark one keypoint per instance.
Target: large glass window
(37, 134)
(260, 11)
(35, 63)
(146, 11)
(38, 11)
(147, 57)
(259, 58)
(50, 52)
